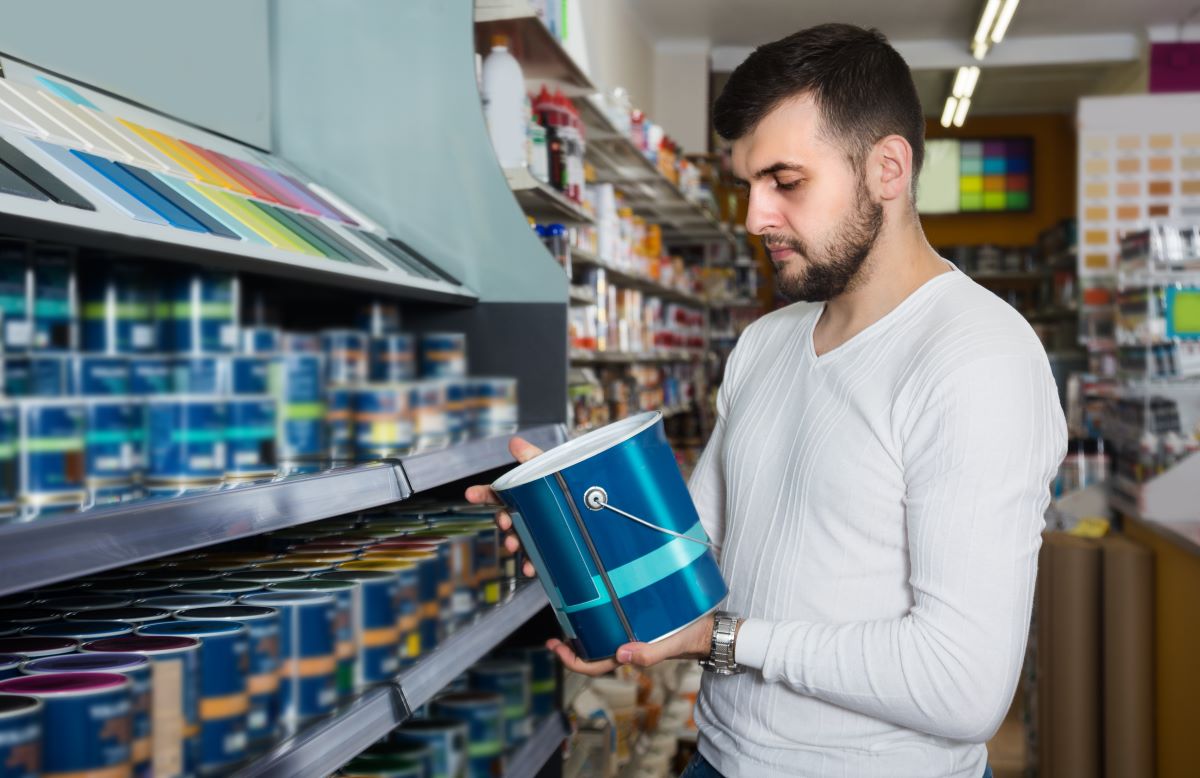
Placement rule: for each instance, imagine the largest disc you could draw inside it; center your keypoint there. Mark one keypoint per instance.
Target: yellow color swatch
(1095, 190)
(268, 229)
(971, 184)
(1095, 213)
(184, 156)
(1095, 237)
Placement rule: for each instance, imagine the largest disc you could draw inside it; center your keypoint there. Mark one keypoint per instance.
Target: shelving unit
(538, 749)
(542, 58)
(631, 281)
(624, 358)
(322, 746)
(57, 548)
(542, 201)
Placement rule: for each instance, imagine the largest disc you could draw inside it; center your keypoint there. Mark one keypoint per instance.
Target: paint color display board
(976, 176)
(1139, 160)
(81, 165)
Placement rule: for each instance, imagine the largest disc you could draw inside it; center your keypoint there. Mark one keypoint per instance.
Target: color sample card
(42, 178)
(124, 201)
(976, 176)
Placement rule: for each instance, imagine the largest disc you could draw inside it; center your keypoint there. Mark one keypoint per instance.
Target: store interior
(279, 280)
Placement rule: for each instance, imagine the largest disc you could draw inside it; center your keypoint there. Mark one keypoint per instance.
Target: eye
(788, 185)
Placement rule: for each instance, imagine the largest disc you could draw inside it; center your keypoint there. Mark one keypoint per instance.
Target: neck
(900, 263)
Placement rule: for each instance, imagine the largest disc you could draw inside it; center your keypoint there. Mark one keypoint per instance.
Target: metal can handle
(596, 499)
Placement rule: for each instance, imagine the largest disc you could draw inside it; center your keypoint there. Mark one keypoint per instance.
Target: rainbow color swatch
(976, 176)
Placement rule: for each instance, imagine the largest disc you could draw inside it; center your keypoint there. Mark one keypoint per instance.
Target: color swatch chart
(157, 178)
(1139, 160)
(994, 175)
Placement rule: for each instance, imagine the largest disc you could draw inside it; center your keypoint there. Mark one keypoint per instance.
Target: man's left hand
(692, 642)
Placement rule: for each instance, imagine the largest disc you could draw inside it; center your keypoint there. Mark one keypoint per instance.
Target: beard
(824, 272)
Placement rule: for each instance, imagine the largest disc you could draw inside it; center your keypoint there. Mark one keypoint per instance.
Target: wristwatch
(721, 649)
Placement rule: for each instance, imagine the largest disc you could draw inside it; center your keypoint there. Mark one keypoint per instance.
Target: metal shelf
(325, 745)
(542, 57)
(629, 280)
(647, 191)
(628, 358)
(58, 548)
(744, 302)
(580, 296)
(535, 752)
(542, 201)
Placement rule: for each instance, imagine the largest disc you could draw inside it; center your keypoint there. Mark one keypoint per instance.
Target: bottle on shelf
(504, 104)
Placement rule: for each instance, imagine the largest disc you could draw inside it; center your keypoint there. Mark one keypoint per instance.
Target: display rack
(542, 201)
(57, 548)
(625, 358)
(538, 749)
(543, 59)
(321, 747)
(630, 281)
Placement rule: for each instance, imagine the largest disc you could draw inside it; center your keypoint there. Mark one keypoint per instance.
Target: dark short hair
(860, 84)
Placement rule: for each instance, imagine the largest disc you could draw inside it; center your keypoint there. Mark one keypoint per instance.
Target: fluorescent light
(985, 21)
(1006, 15)
(960, 114)
(979, 49)
(948, 111)
(964, 81)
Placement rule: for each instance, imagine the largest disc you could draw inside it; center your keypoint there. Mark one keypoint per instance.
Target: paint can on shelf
(307, 652)
(431, 428)
(250, 437)
(446, 737)
(483, 713)
(383, 420)
(443, 355)
(298, 387)
(117, 312)
(374, 628)
(349, 600)
(198, 313)
(9, 469)
(52, 458)
(32, 647)
(224, 702)
(345, 356)
(87, 721)
(510, 679)
(393, 358)
(21, 736)
(92, 375)
(185, 443)
(494, 403)
(136, 668)
(339, 421)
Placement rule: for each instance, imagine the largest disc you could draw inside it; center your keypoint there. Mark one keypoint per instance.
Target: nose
(761, 216)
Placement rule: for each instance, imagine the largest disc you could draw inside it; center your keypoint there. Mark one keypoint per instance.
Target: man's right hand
(482, 494)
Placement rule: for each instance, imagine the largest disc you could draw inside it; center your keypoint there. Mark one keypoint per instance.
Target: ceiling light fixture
(965, 80)
(986, 20)
(1002, 20)
(948, 111)
(960, 114)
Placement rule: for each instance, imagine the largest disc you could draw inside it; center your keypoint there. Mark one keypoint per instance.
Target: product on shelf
(21, 735)
(483, 713)
(503, 88)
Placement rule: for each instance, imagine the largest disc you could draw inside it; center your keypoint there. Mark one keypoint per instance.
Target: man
(880, 464)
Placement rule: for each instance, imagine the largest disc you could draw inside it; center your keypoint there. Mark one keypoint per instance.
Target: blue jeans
(700, 768)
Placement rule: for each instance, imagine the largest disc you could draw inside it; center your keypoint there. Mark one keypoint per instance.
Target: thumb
(640, 654)
(522, 450)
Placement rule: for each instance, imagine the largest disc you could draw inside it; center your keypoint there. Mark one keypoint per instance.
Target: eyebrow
(770, 170)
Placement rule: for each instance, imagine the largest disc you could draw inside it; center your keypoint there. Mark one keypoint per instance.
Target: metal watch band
(721, 648)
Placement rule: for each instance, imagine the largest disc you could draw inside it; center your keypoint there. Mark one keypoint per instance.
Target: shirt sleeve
(977, 462)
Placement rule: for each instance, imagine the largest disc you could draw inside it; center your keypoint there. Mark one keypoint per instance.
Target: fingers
(522, 450)
(482, 495)
(503, 520)
(511, 544)
(575, 664)
(527, 569)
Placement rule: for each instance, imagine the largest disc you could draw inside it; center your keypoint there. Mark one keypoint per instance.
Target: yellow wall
(1054, 162)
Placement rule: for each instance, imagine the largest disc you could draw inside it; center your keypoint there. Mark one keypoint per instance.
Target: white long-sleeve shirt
(879, 509)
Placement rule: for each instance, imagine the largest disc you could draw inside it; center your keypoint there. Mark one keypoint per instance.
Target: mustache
(772, 242)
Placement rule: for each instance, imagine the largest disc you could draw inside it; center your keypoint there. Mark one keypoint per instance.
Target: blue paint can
(543, 678)
(110, 444)
(55, 308)
(267, 577)
(483, 713)
(150, 375)
(251, 374)
(138, 587)
(298, 387)
(24, 615)
(16, 293)
(205, 374)
(301, 343)
(345, 356)
(431, 427)
(392, 760)
(307, 651)
(41, 375)
(222, 587)
(447, 737)
(427, 623)
(378, 319)
(175, 706)
(80, 631)
(51, 445)
(383, 420)
(10, 666)
(393, 358)
(458, 410)
(250, 437)
(407, 611)
(261, 340)
(443, 355)
(494, 402)
(87, 721)
(224, 701)
(199, 314)
(136, 668)
(9, 469)
(608, 523)
(177, 602)
(32, 647)
(134, 615)
(111, 495)
(21, 736)
(262, 681)
(349, 600)
(93, 375)
(374, 628)
(185, 440)
(117, 312)
(339, 421)
(511, 680)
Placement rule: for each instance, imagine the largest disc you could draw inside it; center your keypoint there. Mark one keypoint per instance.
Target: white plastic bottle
(504, 104)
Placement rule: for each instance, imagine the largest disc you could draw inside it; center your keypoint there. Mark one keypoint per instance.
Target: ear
(891, 165)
